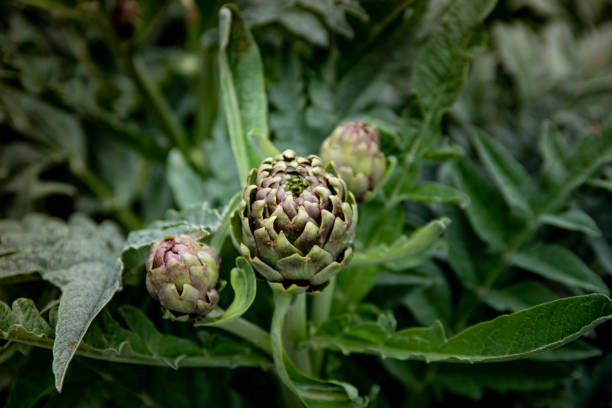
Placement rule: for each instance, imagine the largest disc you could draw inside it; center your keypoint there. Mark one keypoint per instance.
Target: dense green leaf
(558, 264)
(487, 213)
(432, 192)
(518, 296)
(518, 335)
(439, 72)
(511, 178)
(573, 220)
(79, 257)
(421, 241)
(471, 381)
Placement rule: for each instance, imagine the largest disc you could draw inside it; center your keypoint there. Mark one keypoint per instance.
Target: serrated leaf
(433, 192)
(79, 257)
(508, 337)
(559, 264)
(509, 175)
(242, 87)
(573, 220)
(440, 70)
(421, 241)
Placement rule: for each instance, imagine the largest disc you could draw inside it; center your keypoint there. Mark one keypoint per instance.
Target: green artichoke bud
(296, 222)
(354, 148)
(182, 275)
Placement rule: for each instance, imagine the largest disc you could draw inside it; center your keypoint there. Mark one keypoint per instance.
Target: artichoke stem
(248, 331)
(321, 307)
(295, 332)
(282, 300)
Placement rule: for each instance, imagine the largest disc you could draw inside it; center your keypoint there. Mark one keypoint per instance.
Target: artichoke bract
(182, 275)
(354, 148)
(296, 221)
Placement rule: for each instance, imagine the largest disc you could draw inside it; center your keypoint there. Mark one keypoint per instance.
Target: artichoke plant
(296, 221)
(182, 275)
(354, 148)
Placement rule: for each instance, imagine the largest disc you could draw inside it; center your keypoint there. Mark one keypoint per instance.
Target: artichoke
(296, 222)
(354, 148)
(182, 275)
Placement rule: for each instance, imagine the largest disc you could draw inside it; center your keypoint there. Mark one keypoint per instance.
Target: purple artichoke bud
(296, 222)
(354, 148)
(124, 17)
(182, 275)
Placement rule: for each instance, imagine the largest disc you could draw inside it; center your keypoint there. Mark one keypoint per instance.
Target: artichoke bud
(296, 222)
(182, 275)
(354, 148)
(124, 17)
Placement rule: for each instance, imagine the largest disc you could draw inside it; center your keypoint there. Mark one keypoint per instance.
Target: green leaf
(244, 285)
(518, 296)
(508, 337)
(590, 153)
(420, 242)
(554, 151)
(433, 192)
(559, 264)
(471, 381)
(79, 257)
(577, 350)
(573, 220)
(487, 212)
(22, 322)
(242, 88)
(509, 175)
(187, 186)
(29, 389)
(440, 70)
(432, 302)
(143, 344)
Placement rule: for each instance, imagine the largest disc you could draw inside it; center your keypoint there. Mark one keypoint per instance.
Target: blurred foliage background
(112, 109)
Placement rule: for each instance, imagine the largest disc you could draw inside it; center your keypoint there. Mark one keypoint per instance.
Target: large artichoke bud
(354, 147)
(182, 275)
(296, 222)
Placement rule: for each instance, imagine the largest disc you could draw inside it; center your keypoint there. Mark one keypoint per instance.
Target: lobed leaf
(79, 257)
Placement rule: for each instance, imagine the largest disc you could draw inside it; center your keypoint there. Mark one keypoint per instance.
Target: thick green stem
(281, 305)
(295, 333)
(321, 307)
(248, 331)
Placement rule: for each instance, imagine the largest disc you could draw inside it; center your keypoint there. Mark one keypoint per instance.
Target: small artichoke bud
(182, 275)
(354, 148)
(296, 222)
(125, 14)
